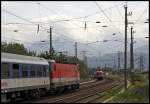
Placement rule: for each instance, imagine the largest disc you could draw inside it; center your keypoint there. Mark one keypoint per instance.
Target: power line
(56, 28)
(30, 21)
(86, 16)
(20, 17)
(140, 16)
(120, 15)
(68, 37)
(51, 11)
(61, 16)
(135, 6)
(119, 12)
(33, 43)
(20, 30)
(77, 17)
(56, 33)
(54, 12)
(45, 7)
(65, 28)
(106, 15)
(17, 16)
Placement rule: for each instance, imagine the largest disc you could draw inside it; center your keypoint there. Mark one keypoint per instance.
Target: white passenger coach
(23, 75)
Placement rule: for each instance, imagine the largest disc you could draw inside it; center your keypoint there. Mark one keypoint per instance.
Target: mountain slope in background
(111, 59)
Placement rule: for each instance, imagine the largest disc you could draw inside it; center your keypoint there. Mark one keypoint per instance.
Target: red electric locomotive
(64, 76)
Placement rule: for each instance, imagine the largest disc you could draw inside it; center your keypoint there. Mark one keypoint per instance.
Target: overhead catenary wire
(86, 16)
(135, 6)
(47, 29)
(7, 23)
(24, 19)
(57, 13)
(120, 13)
(51, 11)
(60, 42)
(77, 24)
(140, 16)
(79, 17)
(17, 16)
(45, 7)
(33, 42)
(20, 17)
(106, 16)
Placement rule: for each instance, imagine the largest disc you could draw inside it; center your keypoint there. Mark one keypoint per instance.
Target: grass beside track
(137, 93)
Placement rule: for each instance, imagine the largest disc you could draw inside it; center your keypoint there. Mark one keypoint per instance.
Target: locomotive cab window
(4, 70)
(15, 70)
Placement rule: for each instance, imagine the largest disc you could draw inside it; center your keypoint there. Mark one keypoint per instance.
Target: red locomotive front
(64, 76)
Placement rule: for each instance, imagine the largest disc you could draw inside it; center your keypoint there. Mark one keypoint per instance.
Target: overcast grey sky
(55, 13)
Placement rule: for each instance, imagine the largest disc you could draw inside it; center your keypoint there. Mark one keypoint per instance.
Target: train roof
(15, 58)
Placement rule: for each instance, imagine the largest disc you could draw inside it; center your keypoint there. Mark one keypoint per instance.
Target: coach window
(32, 71)
(44, 71)
(15, 70)
(39, 71)
(24, 71)
(4, 70)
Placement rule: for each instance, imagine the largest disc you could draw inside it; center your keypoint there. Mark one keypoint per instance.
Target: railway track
(86, 93)
(83, 85)
(93, 98)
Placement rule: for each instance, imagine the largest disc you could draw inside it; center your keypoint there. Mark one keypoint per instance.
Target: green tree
(16, 48)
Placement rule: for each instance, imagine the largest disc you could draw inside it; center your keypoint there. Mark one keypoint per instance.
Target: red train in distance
(99, 74)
